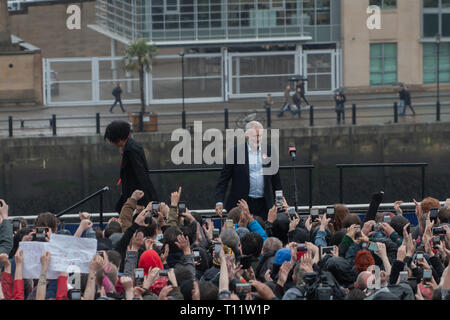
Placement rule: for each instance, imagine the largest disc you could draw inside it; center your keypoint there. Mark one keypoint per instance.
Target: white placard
(32, 252)
(68, 251)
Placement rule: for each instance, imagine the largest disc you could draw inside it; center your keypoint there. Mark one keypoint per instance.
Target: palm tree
(138, 57)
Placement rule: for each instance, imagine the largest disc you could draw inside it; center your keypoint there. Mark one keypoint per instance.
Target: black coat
(134, 175)
(240, 185)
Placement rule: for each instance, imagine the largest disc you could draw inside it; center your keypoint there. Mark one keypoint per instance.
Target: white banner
(68, 251)
(32, 252)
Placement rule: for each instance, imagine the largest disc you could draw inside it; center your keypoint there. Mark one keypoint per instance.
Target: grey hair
(230, 238)
(253, 124)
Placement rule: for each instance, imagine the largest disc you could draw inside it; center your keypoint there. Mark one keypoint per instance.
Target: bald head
(361, 281)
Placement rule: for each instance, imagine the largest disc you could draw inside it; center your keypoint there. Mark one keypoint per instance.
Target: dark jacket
(117, 92)
(6, 236)
(134, 175)
(340, 103)
(263, 265)
(240, 185)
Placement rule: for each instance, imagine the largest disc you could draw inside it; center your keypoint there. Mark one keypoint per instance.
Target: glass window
(446, 25)
(384, 4)
(383, 63)
(430, 3)
(430, 63)
(430, 25)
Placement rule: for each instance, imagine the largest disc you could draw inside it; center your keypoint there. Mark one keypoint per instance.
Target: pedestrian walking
(117, 91)
(340, 106)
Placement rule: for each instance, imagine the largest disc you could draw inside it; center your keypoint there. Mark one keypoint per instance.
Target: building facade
(403, 50)
(233, 49)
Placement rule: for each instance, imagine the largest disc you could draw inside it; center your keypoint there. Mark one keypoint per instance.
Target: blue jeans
(400, 106)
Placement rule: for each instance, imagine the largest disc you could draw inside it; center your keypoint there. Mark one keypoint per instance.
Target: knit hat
(242, 231)
(150, 259)
(281, 256)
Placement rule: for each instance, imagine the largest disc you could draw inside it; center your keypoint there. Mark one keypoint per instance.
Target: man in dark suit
(248, 181)
(133, 167)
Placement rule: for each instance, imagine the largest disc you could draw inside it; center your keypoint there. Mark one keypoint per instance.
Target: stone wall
(52, 173)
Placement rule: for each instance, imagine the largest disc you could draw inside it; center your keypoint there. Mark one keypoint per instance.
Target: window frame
(440, 11)
(382, 6)
(383, 57)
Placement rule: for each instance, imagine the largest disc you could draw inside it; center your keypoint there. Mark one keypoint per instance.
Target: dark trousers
(120, 103)
(258, 207)
(410, 106)
(340, 113)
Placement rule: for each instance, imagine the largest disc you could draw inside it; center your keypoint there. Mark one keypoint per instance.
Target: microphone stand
(295, 186)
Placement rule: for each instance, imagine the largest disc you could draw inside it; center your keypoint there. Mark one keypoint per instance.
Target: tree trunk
(5, 35)
(141, 84)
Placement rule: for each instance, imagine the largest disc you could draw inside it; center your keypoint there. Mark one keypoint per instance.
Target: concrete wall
(21, 77)
(51, 173)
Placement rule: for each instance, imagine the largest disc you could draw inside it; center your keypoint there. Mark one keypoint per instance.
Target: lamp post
(183, 114)
(438, 103)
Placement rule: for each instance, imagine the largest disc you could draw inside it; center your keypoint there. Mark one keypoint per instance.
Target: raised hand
(137, 195)
(175, 197)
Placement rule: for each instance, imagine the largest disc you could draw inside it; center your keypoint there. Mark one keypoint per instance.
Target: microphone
(292, 152)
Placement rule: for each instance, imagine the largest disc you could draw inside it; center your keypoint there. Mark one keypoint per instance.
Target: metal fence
(227, 119)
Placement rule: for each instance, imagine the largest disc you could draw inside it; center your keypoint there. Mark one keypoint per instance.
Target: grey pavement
(80, 120)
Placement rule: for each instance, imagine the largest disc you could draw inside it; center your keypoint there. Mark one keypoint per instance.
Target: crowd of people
(167, 252)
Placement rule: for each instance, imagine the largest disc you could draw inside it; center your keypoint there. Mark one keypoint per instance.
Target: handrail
(308, 167)
(341, 168)
(206, 212)
(97, 193)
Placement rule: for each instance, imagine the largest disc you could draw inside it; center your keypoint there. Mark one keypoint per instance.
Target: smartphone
(419, 256)
(75, 294)
(436, 241)
(229, 224)
(163, 273)
(403, 276)
(330, 213)
(197, 256)
(387, 219)
(279, 200)
(427, 274)
(217, 248)
(138, 276)
(16, 225)
(155, 208)
(438, 231)
(314, 214)
(302, 247)
(291, 212)
(434, 215)
(181, 208)
(216, 233)
(243, 288)
(326, 250)
(373, 246)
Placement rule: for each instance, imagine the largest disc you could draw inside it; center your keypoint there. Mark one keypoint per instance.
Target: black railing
(341, 168)
(99, 194)
(218, 169)
(222, 119)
